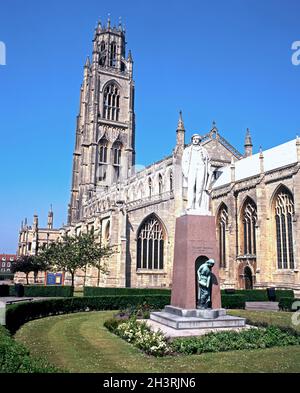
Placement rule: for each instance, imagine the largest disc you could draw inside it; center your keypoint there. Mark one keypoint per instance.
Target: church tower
(105, 136)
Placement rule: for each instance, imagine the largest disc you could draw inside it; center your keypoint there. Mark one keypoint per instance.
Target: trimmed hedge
(260, 295)
(18, 314)
(98, 291)
(250, 294)
(15, 358)
(233, 301)
(4, 290)
(286, 303)
(44, 291)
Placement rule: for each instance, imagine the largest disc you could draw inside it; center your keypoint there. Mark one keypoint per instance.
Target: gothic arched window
(160, 184)
(102, 151)
(116, 156)
(102, 59)
(171, 181)
(107, 233)
(113, 54)
(222, 225)
(284, 210)
(111, 108)
(117, 151)
(150, 245)
(249, 219)
(150, 186)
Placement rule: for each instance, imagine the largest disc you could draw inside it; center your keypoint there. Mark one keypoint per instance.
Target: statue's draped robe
(190, 167)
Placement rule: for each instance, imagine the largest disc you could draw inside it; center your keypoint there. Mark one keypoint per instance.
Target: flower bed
(140, 335)
(156, 344)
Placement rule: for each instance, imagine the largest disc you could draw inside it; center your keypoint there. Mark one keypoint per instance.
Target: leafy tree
(23, 264)
(77, 252)
(40, 264)
(29, 263)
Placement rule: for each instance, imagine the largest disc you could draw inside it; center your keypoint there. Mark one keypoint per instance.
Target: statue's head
(196, 139)
(210, 263)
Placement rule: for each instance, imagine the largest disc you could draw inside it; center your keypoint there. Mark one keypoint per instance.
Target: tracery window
(222, 228)
(171, 181)
(116, 154)
(249, 219)
(160, 184)
(102, 151)
(113, 54)
(117, 151)
(150, 186)
(284, 210)
(150, 245)
(102, 60)
(111, 108)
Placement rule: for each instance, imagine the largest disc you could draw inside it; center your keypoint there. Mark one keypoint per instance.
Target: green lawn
(280, 318)
(80, 343)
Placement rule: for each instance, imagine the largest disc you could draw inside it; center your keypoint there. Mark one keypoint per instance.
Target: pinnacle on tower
(214, 126)
(180, 140)
(87, 63)
(180, 126)
(248, 141)
(261, 160)
(129, 58)
(50, 218)
(248, 144)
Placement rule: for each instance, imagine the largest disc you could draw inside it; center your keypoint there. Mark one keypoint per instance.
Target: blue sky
(224, 61)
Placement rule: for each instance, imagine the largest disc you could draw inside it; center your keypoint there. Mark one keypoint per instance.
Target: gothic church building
(255, 198)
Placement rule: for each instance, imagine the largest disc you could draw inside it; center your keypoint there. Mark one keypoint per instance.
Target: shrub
(112, 324)
(233, 301)
(18, 314)
(15, 358)
(45, 291)
(98, 291)
(140, 311)
(140, 335)
(286, 303)
(230, 340)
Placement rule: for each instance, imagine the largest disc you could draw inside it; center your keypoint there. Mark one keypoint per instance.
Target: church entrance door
(248, 278)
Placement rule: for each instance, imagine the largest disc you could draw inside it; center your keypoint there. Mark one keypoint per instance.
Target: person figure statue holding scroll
(196, 169)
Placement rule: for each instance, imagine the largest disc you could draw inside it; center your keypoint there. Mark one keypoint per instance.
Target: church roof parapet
(275, 158)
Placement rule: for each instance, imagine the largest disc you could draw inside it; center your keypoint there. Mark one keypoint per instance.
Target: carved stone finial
(180, 125)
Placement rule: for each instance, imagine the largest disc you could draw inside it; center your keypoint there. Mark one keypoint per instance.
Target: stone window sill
(148, 271)
(287, 272)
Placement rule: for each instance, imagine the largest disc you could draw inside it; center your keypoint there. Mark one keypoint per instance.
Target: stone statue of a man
(204, 284)
(197, 172)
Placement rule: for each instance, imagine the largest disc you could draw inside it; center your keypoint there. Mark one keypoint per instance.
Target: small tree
(77, 252)
(23, 264)
(40, 264)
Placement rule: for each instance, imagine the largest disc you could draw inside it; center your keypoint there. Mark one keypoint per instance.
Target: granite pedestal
(195, 242)
(178, 318)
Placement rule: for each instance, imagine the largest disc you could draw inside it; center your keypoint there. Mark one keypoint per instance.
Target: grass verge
(80, 343)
